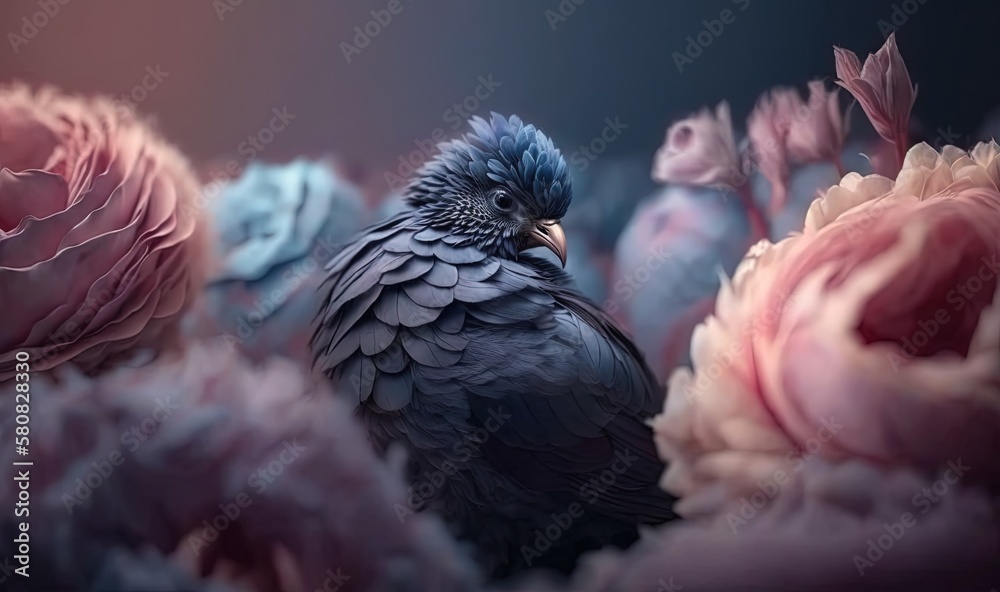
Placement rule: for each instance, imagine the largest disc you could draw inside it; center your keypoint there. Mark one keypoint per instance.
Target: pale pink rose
(874, 334)
(818, 128)
(700, 150)
(99, 232)
(882, 86)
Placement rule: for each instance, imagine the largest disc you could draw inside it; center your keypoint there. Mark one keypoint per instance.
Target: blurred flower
(818, 128)
(588, 267)
(874, 334)
(100, 245)
(882, 86)
(805, 185)
(769, 127)
(273, 214)
(249, 473)
(276, 226)
(605, 195)
(667, 266)
(826, 529)
(699, 150)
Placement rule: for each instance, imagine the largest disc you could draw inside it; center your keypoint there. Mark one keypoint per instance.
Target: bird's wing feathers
(413, 321)
(396, 304)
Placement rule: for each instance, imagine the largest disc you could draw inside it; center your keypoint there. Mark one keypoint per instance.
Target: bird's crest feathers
(503, 151)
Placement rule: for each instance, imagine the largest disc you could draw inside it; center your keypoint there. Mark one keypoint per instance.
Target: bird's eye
(502, 200)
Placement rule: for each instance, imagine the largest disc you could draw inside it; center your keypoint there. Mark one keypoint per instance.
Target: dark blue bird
(522, 404)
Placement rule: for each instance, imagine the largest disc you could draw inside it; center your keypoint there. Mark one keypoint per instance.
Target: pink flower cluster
(845, 391)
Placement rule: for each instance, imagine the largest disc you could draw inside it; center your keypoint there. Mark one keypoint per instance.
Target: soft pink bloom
(700, 150)
(99, 233)
(165, 451)
(873, 334)
(818, 128)
(882, 86)
(769, 126)
(812, 533)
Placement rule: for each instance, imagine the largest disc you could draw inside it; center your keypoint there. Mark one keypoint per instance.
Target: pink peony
(700, 150)
(874, 334)
(882, 86)
(99, 238)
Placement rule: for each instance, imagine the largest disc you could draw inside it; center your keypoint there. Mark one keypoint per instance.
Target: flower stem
(901, 143)
(759, 226)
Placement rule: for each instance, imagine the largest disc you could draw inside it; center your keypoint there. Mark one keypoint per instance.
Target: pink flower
(700, 150)
(252, 472)
(818, 128)
(99, 238)
(874, 334)
(769, 126)
(883, 88)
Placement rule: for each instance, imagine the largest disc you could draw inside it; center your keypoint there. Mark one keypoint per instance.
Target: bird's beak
(550, 235)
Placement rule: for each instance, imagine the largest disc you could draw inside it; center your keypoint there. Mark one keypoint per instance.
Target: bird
(522, 406)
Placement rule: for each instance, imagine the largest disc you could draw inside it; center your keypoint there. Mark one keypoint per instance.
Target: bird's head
(503, 187)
